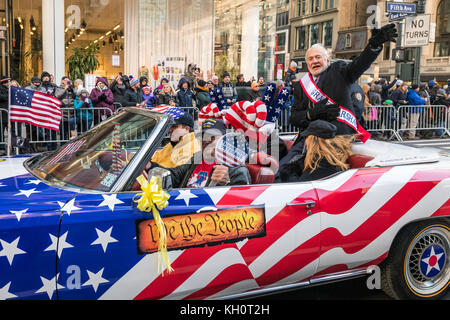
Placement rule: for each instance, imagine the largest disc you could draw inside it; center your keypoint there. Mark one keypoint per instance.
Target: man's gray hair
(320, 47)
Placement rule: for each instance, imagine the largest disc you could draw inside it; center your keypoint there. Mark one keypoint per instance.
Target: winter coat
(203, 98)
(229, 92)
(118, 92)
(399, 98)
(151, 99)
(133, 97)
(185, 96)
(290, 76)
(85, 109)
(385, 90)
(102, 99)
(415, 100)
(66, 96)
(335, 82)
(165, 98)
(35, 88)
(4, 99)
(294, 171)
(252, 96)
(358, 102)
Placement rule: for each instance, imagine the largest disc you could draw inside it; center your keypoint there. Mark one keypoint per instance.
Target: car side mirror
(163, 175)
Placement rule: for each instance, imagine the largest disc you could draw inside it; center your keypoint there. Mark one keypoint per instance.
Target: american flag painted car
(70, 228)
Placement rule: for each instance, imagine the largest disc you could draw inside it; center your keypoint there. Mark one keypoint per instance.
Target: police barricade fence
(428, 120)
(381, 122)
(3, 127)
(73, 124)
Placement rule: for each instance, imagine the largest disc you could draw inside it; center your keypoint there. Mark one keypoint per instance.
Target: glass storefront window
(100, 24)
(26, 40)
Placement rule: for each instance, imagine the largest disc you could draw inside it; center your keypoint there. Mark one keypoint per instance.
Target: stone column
(53, 25)
(250, 39)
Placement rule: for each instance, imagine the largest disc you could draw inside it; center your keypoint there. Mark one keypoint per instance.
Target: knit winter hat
(133, 82)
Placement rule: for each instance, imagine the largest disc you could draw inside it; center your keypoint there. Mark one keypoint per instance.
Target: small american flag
(36, 108)
(68, 150)
(232, 150)
(174, 112)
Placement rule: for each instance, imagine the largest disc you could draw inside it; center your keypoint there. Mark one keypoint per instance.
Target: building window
(348, 40)
(442, 44)
(301, 8)
(328, 33)
(313, 34)
(281, 42)
(387, 51)
(328, 4)
(301, 38)
(315, 6)
(282, 19)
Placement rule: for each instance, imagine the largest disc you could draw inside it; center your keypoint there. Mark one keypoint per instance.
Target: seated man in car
(182, 145)
(200, 175)
(325, 154)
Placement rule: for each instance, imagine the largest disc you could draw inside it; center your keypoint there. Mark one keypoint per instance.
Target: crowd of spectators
(84, 109)
(414, 105)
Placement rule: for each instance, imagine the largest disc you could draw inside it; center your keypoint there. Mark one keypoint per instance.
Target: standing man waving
(325, 92)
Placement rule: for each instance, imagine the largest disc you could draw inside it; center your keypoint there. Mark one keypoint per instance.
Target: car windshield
(96, 160)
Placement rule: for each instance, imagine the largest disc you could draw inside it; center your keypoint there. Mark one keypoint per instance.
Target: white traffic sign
(417, 31)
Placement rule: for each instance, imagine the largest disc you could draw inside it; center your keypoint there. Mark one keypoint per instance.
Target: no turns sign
(417, 31)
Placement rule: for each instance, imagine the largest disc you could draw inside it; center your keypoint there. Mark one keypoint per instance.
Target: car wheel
(418, 265)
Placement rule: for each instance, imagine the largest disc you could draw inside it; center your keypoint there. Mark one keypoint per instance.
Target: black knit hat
(185, 120)
(321, 129)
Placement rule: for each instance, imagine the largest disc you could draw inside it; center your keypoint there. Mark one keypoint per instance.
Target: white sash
(316, 95)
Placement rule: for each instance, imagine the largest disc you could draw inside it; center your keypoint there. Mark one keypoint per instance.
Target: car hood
(19, 190)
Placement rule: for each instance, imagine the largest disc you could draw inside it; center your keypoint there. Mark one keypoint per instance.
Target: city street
(354, 289)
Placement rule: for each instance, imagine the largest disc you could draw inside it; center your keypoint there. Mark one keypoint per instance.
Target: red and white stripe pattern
(246, 115)
(353, 226)
(69, 149)
(42, 111)
(211, 111)
(116, 159)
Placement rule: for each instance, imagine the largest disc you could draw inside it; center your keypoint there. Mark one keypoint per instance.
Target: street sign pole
(420, 10)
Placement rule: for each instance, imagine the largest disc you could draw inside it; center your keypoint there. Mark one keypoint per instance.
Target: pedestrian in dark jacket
(291, 74)
(4, 102)
(134, 97)
(103, 100)
(185, 95)
(241, 81)
(48, 86)
(385, 87)
(167, 96)
(202, 94)
(254, 94)
(228, 90)
(118, 88)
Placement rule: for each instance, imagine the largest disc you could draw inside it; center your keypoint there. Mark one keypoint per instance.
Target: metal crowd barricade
(424, 118)
(381, 121)
(3, 129)
(72, 125)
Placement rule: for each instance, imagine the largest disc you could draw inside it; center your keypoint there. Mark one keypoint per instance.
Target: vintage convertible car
(70, 227)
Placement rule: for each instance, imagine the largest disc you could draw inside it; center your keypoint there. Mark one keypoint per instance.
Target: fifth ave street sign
(417, 31)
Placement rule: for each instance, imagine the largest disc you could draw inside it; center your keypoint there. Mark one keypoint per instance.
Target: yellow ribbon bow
(154, 199)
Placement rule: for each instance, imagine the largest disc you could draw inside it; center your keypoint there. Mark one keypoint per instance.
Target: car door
(355, 209)
(222, 241)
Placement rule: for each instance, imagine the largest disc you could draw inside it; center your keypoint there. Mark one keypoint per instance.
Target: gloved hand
(387, 33)
(322, 111)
